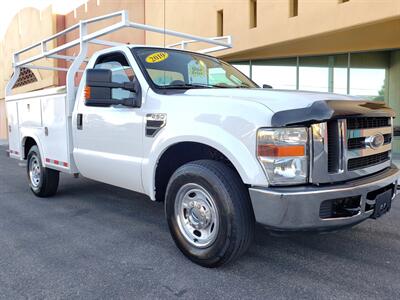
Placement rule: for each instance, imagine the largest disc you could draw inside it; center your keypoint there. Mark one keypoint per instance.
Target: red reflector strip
(57, 162)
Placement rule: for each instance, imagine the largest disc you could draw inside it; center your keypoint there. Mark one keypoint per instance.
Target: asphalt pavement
(95, 241)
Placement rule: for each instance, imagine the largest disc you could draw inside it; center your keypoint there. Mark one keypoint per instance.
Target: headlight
(283, 153)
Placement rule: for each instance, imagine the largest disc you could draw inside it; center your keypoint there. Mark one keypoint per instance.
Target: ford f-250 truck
(191, 130)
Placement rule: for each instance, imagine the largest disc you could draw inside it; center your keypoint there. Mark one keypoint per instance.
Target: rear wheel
(42, 181)
(209, 213)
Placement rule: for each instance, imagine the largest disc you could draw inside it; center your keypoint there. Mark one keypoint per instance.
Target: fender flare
(241, 158)
(37, 141)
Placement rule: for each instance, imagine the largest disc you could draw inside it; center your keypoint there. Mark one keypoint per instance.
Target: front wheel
(42, 181)
(209, 213)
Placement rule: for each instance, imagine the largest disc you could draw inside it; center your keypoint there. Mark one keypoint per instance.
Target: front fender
(241, 155)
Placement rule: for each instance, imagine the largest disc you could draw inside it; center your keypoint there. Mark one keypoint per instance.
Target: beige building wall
(322, 26)
(28, 26)
(94, 8)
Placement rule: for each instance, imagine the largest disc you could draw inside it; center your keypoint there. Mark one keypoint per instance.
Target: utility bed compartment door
(55, 132)
(13, 129)
(30, 113)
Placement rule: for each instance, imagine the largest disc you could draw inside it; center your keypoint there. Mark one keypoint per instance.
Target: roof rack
(86, 38)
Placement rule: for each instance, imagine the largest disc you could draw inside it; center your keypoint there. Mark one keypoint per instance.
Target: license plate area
(383, 204)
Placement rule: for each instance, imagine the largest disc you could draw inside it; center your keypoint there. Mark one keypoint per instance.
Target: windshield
(174, 69)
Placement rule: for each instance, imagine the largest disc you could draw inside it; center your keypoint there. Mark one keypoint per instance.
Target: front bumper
(298, 208)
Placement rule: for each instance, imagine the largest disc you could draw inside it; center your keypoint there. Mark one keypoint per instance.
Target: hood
(275, 100)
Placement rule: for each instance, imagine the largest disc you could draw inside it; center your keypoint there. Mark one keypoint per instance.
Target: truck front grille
(359, 143)
(348, 148)
(367, 161)
(367, 122)
(333, 146)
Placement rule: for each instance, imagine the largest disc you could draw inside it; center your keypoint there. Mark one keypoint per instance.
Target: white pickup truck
(190, 130)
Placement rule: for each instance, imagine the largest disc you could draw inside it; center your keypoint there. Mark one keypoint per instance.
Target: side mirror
(267, 86)
(99, 85)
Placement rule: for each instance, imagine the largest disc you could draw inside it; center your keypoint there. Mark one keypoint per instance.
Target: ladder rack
(86, 38)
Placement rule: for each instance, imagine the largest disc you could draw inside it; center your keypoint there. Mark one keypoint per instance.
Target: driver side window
(121, 72)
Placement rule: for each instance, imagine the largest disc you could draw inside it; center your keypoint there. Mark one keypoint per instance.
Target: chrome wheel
(197, 215)
(35, 171)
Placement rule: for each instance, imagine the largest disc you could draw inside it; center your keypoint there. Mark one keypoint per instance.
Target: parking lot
(97, 241)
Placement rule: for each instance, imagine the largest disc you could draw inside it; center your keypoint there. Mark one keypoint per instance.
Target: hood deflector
(321, 111)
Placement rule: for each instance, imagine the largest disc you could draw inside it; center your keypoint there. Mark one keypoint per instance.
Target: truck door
(108, 140)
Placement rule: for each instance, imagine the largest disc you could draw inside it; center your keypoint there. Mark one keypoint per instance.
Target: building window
(339, 64)
(26, 76)
(368, 83)
(364, 74)
(253, 13)
(278, 73)
(368, 75)
(314, 73)
(243, 67)
(293, 8)
(220, 23)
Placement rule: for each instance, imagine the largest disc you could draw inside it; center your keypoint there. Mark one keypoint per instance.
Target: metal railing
(86, 38)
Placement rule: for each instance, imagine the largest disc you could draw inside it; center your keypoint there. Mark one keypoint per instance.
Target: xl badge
(375, 141)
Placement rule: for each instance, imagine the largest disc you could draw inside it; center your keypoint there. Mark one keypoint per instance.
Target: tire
(209, 213)
(42, 181)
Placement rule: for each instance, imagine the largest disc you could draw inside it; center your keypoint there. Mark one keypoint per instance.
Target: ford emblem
(375, 141)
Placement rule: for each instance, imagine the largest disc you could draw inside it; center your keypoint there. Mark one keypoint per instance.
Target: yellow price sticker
(156, 57)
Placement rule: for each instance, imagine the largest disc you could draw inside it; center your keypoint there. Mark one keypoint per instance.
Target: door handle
(79, 121)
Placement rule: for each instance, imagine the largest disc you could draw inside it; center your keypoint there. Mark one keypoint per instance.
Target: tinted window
(169, 68)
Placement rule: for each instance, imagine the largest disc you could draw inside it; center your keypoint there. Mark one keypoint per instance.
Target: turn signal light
(280, 151)
(87, 92)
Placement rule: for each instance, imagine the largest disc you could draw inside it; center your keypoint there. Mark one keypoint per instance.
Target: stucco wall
(317, 28)
(27, 27)
(94, 8)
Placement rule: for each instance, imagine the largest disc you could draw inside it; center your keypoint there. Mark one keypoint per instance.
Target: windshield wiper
(186, 86)
(200, 85)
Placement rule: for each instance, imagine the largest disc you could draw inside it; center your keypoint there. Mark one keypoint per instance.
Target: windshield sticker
(197, 71)
(156, 57)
